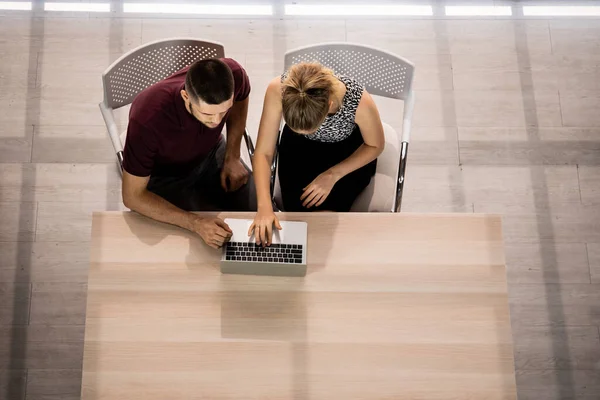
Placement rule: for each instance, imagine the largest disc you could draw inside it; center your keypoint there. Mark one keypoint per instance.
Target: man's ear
(185, 95)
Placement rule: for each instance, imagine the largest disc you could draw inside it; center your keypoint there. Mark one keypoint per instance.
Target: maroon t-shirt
(163, 138)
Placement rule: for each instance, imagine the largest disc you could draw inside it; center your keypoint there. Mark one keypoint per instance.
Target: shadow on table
(322, 230)
(263, 308)
(258, 307)
(148, 231)
(269, 309)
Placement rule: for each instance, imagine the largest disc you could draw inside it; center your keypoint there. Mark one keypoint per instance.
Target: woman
(328, 149)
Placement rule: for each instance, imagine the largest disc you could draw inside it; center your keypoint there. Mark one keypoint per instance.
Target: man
(175, 160)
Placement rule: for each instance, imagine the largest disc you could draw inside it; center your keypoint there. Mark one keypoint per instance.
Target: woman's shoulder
(275, 85)
(273, 92)
(366, 108)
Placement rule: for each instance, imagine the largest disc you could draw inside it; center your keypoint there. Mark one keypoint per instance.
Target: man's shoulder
(232, 64)
(240, 78)
(156, 102)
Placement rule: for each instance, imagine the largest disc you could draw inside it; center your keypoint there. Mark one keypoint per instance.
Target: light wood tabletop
(393, 306)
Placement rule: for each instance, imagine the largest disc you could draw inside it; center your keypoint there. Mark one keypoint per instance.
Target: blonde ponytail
(306, 92)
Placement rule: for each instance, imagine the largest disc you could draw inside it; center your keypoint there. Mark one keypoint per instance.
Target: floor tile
(72, 144)
(20, 73)
(275, 36)
(594, 260)
(580, 109)
(44, 262)
(58, 303)
(69, 222)
(434, 189)
(558, 385)
(58, 383)
(44, 355)
(527, 185)
(14, 303)
(404, 38)
(433, 145)
(568, 223)
(547, 263)
(15, 143)
(498, 36)
(504, 80)
(525, 146)
(507, 108)
(575, 36)
(432, 109)
(589, 181)
(543, 347)
(306, 32)
(53, 397)
(432, 71)
(73, 111)
(117, 35)
(527, 70)
(555, 305)
(13, 384)
(61, 182)
(80, 69)
(15, 105)
(17, 221)
(41, 333)
(20, 32)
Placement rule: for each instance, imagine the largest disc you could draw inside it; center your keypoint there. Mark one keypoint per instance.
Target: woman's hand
(262, 227)
(318, 190)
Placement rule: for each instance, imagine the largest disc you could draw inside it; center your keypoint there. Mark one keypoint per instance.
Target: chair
(383, 74)
(143, 67)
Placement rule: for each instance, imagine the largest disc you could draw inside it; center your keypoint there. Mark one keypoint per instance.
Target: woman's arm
(268, 132)
(368, 120)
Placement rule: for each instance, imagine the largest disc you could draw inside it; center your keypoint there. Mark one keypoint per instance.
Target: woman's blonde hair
(306, 92)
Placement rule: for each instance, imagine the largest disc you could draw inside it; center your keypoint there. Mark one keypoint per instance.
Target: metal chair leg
(249, 144)
(120, 161)
(401, 172)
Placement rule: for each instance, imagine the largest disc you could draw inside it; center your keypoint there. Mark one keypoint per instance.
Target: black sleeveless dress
(303, 157)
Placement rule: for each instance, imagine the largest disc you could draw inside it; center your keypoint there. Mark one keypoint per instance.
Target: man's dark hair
(210, 81)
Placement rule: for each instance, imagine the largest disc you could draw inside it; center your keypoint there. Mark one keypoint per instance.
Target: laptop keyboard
(275, 253)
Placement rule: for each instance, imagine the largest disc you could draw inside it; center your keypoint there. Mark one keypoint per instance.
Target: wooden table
(404, 306)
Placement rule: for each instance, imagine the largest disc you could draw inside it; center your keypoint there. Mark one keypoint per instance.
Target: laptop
(286, 256)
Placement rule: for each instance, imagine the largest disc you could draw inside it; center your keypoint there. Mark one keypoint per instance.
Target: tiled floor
(507, 121)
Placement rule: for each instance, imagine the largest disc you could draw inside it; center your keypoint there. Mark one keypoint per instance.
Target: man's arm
(138, 198)
(234, 175)
(236, 124)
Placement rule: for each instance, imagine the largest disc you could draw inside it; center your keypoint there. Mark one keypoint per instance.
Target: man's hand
(234, 175)
(318, 190)
(214, 231)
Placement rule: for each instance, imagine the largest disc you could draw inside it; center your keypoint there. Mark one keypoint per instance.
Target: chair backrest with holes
(382, 73)
(151, 63)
